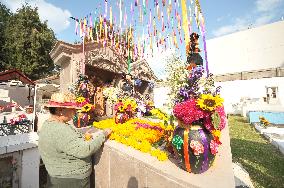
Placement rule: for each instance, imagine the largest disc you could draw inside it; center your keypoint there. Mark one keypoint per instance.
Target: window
(272, 92)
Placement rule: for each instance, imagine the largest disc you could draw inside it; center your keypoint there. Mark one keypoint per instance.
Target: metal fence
(7, 129)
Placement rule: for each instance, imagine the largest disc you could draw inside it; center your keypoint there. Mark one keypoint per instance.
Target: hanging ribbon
(76, 27)
(110, 16)
(185, 150)
(120, 14)
(125, 17)
(163, 24)
(106, 7)
(91, 21)
(158, 12)
(150, 17)
(204, 45)
(185, 21)
(205, 164)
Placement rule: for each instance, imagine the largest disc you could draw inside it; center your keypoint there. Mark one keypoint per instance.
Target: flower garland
(138, 134)
(159, 114)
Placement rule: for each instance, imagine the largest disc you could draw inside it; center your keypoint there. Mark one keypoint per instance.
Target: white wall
(253, 49)
(30, 168)
(161, 96)
(233, 91)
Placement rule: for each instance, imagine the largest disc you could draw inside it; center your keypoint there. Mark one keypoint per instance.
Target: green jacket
(64, 150)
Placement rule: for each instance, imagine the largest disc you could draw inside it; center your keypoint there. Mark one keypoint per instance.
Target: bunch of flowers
(159, 114)
(111, 93)
(127, 104)
(138, 134)
(198, 101)
(85, 104)
(263, 121)
(81, 119)
(22, 118)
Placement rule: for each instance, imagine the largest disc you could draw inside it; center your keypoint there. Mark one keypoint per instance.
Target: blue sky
(221, 16)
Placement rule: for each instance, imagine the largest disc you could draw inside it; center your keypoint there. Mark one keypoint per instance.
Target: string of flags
(140, 27)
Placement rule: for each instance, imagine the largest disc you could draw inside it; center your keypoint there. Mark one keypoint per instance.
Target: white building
(250, 67)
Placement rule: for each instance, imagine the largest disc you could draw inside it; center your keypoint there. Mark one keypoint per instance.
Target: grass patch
(264, 163)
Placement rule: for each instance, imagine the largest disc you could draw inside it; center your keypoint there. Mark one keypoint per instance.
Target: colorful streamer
(185, 150)
(185, 21)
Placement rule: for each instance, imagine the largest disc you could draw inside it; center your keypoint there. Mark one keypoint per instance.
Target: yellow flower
(159, 114)
(87, 108)
(169, 128)
(80, 99)
(216, 133)
(209, 102)
(140, 139)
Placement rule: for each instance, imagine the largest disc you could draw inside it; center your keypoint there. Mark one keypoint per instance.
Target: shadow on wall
(132, 183)
(261, 160)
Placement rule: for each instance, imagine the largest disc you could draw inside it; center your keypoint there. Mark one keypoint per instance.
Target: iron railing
(7, 129)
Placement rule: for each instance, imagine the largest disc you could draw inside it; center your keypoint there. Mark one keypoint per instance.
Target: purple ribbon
(205, 48)
(205, 164)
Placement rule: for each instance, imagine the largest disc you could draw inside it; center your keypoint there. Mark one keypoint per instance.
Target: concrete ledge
(12, 143)
(117, 165)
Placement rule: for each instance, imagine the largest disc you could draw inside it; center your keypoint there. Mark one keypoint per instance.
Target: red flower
(188, 112)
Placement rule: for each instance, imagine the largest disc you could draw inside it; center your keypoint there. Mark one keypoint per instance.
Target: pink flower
(197, 147)
(214, 147)
(221, 111)
(188, 112)
(208, 122)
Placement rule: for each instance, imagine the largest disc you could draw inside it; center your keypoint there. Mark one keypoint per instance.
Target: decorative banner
(185, 21)
(120, 15)
(169, 32)
(110, 16)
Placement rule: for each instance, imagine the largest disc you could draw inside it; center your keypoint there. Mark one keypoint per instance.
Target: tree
(28, 42)
(5, 15)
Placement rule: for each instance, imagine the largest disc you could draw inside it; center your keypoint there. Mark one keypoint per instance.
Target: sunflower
(80, 99)
(209, 102)
(87, 108)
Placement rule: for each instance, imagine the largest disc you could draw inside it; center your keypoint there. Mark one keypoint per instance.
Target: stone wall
(117, 165)
(23, 149)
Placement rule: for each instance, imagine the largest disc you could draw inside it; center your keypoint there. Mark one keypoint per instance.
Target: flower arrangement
(124, 109)
(198, 101)
(82, 117)
(127, 104)
(159, 114)
(263, 121)
(139, 134)
(199, 110)
(20, 119)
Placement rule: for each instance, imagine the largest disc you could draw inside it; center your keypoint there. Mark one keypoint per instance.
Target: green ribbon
(177, 142)
(216, 120)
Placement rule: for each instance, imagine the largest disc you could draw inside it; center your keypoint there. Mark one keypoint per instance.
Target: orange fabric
(185, 150)
(79, 120)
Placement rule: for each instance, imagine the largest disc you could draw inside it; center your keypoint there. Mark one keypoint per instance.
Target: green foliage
(264, 163)
(177, 75)
(5, 15)
(216, 120)
(27, 43)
